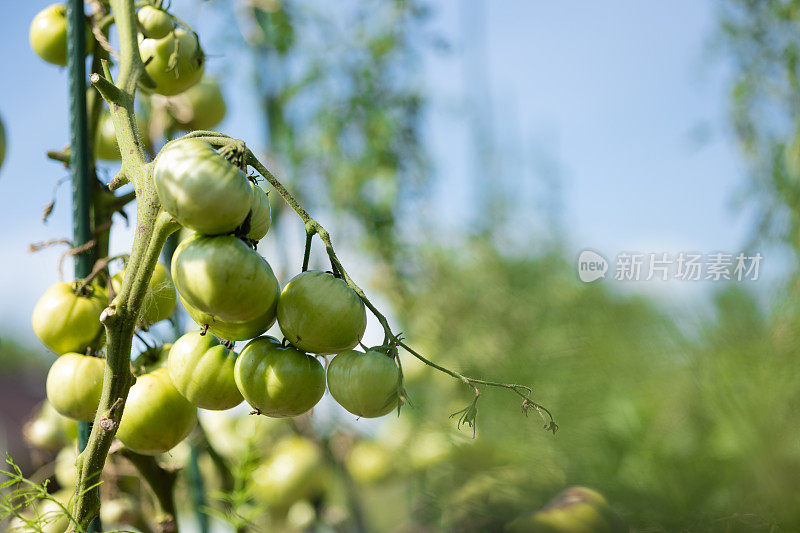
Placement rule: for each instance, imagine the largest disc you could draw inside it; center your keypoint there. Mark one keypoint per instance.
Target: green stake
(79, 161)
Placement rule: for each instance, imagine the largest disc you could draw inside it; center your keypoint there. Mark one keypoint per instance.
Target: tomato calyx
(235, 153)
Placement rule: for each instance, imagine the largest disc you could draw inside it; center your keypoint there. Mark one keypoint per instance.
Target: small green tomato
(68, 322)
(225, 278)
(155, 23)
(202, 371)
(173, 74)
(279, 381)
(364, 383)
(156, 417)
(260, 215)
(74, 385)
(319, 313)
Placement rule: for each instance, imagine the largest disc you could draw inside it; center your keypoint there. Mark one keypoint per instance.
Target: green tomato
(225, 278)
(319, 313)
(173, 74)
(260, 215)
(156, 416)
(202, 190)
(364, 383)
(159, 300)
(48, 430)
(575, 510)
(119, 512)
(155, 23)
(48, 34)
(234, 331)
(66, 471)
(105, 144)
(279, 381)
(66, 322)
(291, 473)
(202, 371)
(204, 104)
(74, 385)
(369, 462)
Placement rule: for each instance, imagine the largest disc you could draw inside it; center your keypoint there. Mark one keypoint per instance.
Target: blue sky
(610, 94)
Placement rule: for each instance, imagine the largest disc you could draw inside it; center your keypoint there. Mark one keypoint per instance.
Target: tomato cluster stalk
(153, 226)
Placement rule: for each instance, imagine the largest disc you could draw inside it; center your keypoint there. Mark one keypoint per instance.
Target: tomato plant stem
(153, 226)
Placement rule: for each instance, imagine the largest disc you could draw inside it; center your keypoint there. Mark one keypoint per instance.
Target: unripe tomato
(74, 385)
(279, 381)
(233, 331)
(224, 277)
(319, 313)
(48, 34)
(575, 510)
(66, 471)
(156, 416)
(292, 472)
(66, 322)
(364, 383)
(155, 23)
(172, 74)
(205, 104)
(160, 298)
(202, 371)
(49, 430)
(119, 511)
(105, 143)
(369, 462)
(202, 190)
(260, 215)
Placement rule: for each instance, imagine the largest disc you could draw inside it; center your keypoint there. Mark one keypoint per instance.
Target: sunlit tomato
(50, 516)
(233, 331)
(203, 104)
(48, 430)
(67, 322)
(120, 511)
(224, 277)
(155, 23)
(105, 144)
(279, 381)
(292, 472)
(364, 383)
(173, 74)
(260, 215)
(74, 384)
(202, 190)
(575, 510)
(156, 416)
(202, 371)
(48, 34)
(319, 313)
(160, 298)
(368, 462)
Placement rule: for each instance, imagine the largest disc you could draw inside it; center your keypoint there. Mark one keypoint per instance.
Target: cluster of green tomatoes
(224, 284)
(230, 290)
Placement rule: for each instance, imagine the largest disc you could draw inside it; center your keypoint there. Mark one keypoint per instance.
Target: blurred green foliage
(680, 430)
